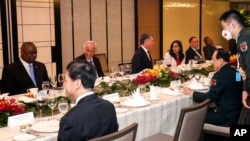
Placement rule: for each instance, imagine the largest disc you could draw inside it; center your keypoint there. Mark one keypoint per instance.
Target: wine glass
(60, 79)
(53, 81)
(52, 102)
(190, 74)
(40, 101)
(121, 70)
(63, 105)
(45, 86)
(112, 72)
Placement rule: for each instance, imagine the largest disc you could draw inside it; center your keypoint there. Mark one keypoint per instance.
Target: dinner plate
(46, 126)
(121, 110)
(24, 137)
(168, 91)
(199, 88)
(155, 99)
(135, 104)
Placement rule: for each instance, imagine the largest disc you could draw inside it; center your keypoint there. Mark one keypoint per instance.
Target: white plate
(135, 104)
(24, 137)
(168, 91)
(46, 126)
(158, 98)
(121, 110)
(199, 88)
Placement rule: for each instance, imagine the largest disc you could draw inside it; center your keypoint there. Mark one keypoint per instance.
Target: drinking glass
(60, 79)
(40, 102)
(190, 74)
(121, 70)
(112, 72)
(63, 105)
(45, 86)
(53, 81)
(52, 102)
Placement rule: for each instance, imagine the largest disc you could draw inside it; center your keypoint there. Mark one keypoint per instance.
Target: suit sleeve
(7, 80)
(136, 63)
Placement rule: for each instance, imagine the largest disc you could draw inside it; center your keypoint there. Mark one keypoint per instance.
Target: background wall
(110, 23)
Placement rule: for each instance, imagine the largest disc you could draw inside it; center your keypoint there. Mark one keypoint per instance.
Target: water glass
(127, 69)
(63, 105)
(121, 70)
(197, 76)
(45, 86)
(53, 81)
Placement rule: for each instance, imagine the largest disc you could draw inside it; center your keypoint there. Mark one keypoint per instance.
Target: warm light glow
(179, 5)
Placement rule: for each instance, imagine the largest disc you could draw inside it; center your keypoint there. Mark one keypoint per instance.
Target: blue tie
(32, 75)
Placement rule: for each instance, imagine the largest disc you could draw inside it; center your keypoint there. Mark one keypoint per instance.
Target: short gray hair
(90, 42)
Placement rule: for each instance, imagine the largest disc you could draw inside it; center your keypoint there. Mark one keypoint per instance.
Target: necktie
(91, 62)
(149, 56)
(32, 75)
(198, 54)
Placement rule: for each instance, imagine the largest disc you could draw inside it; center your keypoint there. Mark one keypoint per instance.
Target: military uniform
(225, 92)
(243, 44)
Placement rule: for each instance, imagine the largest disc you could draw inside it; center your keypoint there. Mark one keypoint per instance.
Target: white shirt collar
(25, 64)
(144, 49)
(84, 95)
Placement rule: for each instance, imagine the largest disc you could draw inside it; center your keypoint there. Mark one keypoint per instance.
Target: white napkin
(26, 99)
(4, 96)
(170, 91)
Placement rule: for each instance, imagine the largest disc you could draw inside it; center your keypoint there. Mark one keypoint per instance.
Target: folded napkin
(26, 99)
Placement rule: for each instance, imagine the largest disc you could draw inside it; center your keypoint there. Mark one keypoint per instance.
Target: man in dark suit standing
(193, 52)
(89, 50)
(225, 91)
(24, 73)
(142, 58)
(91, 116)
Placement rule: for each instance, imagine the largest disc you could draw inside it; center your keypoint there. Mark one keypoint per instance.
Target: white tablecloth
(159, 116)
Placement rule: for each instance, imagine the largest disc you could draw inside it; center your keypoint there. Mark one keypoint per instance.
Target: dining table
(156, 116)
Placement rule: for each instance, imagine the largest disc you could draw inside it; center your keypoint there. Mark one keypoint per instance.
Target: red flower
(11, 106)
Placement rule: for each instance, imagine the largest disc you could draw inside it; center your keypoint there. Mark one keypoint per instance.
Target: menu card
(21, 119)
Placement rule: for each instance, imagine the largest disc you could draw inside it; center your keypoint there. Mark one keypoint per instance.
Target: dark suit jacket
(91, 117)
(226, 93)
(140, 61)
(97, 63)
(16, 80)
(208, 52)
(190, 54)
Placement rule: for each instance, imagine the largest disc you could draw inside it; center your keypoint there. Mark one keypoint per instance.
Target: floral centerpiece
(233, 60)
(9, 107)
(158, 76)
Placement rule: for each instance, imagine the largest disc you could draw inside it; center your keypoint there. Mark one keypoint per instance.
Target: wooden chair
(104, 63)
(126, 134)
(189, 126)
(221, 130)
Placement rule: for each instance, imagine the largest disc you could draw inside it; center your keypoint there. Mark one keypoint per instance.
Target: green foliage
(246, 17)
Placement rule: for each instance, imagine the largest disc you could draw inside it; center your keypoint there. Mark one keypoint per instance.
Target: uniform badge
(213, 82)
(243, 47)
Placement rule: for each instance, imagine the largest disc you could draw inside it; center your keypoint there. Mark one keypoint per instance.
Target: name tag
(21, 119)
(237, 77)
(112, 97)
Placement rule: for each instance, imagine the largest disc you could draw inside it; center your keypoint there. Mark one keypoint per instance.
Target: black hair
(181, 54)
(191, 38)
(233, 14)
(83, 70)
(144, 37)
(221, 53)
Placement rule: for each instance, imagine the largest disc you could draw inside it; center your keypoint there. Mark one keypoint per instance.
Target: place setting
(137, 100)
(199, 83)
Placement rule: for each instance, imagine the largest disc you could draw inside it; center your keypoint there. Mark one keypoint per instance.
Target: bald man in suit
(16, 77)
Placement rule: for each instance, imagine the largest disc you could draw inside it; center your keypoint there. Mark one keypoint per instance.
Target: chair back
(191, 121)
(104, 62)
(126, 134)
